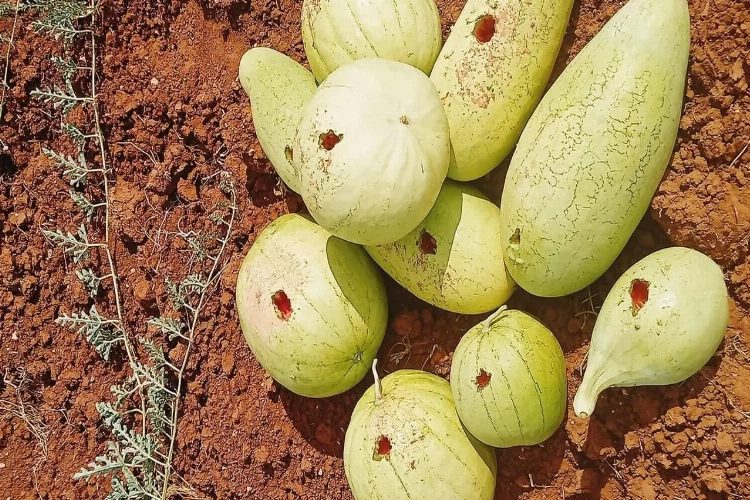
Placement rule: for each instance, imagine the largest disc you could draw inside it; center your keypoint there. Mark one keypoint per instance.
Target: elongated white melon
(594, 151)
(278, 88)
(492, 72)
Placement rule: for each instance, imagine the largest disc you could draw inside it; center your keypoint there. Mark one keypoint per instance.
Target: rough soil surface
(174, 113)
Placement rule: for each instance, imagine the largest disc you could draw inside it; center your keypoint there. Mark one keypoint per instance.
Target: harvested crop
(492, 72)
(372, 150)
(337, 32)
(508, 380)
(405, 441)
(312, 307)
(594, 151)
(278, 88)
(453, 258)
(660, 324)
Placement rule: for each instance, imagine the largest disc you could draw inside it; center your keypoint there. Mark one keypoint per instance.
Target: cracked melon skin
(278, 88)
(490, 88)
(595, 149)
(337, 32)
(431, 455)
(509, 381)
(453, 259)
(372, 149)
(659, 337)
(335, 306)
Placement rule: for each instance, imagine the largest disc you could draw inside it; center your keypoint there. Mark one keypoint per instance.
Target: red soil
(174, 112)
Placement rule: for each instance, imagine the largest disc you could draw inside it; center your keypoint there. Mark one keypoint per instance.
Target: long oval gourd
(595, 149)
(491, 73)
(312, 307)
(406, 442)
(660, 324)
(453, 259)
(508, 380)
(337, 32)
(372, 150)
(278, 88)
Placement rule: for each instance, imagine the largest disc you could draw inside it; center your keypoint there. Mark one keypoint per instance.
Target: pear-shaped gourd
(312, 307)
(337, 32)
(660, 324)
(492, 72)
(372, 150)
(406, 442)
(453, 259)
(508, 380)
(279, 88)
(595, 149)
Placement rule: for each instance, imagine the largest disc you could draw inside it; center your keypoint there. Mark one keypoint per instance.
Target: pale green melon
(409, 444)
(278, 88)
(453, 259)
(594, 151)
(312, 307)
(492, 72)
(508, 380)
(660, 324)
(337, 32)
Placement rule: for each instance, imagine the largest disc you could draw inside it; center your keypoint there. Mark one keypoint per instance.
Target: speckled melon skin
(453, 259)
(595, 149)
(489, 89)
(432, 456)
(338, 303)
(279, 88)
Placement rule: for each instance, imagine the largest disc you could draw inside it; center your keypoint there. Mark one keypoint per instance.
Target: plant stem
(378, 388)
(487, 323)
(7, 58)
(107, 236)
(191, 335)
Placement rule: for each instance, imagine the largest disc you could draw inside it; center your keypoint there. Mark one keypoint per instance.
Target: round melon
(405, 441)
(508, 380)
(453, 259)
(312, 307)
(336, 32)
(372, 150)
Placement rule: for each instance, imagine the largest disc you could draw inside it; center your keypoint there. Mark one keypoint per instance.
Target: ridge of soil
(174, 113)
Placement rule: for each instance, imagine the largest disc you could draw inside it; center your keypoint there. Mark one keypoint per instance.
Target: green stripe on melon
(321, 338)
(430, 453)
(594, 151)
(453, 259)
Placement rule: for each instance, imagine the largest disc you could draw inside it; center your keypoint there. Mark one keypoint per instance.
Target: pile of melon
(382, 140)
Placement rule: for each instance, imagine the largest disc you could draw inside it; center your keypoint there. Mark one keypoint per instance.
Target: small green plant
(144, 412)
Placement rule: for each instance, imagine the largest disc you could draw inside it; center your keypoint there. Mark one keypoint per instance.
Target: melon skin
(278, 88)
(661, 335)
(338, 307)
(372, 150)
(594, 151)
(431, 454)
(453, 259)
(509, 381)
(337, 32)
(490, 88)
